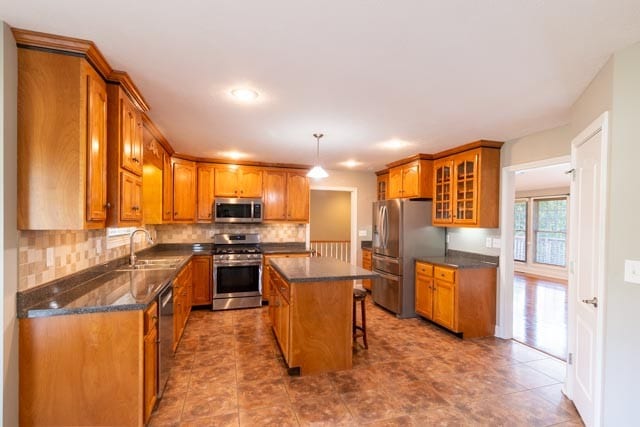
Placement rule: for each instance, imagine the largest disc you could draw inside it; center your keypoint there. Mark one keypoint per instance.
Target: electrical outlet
(632, 271)
(362, 233)
(496, 242)
(50, 257)
(488, 242)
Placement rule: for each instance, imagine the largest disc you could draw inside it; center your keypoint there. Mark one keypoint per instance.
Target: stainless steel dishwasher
(165, 337)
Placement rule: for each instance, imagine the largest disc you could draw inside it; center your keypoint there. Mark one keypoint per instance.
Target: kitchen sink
(153, 264)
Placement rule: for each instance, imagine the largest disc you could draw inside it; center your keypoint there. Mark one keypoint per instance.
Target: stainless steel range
(237, 271)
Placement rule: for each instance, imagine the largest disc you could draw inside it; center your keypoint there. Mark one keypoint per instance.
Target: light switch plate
(488, 242)
(632, 271)
(496, 242)
(362, 233)
(50, 257)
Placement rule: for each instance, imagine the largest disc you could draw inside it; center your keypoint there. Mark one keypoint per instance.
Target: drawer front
(424, 269)
(446, 274)
(150, 317)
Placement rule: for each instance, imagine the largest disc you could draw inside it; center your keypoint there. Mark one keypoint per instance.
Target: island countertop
(318, 269)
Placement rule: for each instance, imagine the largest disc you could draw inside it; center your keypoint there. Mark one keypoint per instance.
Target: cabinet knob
(107, 206)
(175, 213)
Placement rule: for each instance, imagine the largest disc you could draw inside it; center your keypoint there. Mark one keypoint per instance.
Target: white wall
(8, 231)
(622, 340)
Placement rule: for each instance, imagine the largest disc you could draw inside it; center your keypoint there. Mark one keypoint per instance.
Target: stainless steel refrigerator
(402, 231)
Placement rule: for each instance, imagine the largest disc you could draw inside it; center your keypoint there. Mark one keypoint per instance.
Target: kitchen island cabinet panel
(94, 369)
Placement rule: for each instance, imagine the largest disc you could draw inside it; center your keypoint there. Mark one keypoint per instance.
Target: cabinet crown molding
(85, 48)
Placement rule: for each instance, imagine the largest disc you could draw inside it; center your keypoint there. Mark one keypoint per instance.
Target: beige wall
(543, 145)
(330, 217)
(365, 182)
(622, 340)
(8, 231)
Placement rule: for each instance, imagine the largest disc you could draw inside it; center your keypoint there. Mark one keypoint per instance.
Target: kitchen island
(310, 306)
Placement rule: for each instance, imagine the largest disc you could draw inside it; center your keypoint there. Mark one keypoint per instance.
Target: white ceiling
(543, 178)
(434, 73)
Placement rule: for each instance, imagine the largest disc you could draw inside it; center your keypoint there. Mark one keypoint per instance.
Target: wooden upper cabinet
(152, 178)
(167, 188)
(286, 196)
(124, 160)
(443, 191)
(130, 197)
(61, 142)
(297, 197)
(131, 136)
(466, 189)
(96, 148)
(382, 182)
(394, 189)
(238, 181)
(206, 178)
(275, 195)
(184, 190)
(411, 180)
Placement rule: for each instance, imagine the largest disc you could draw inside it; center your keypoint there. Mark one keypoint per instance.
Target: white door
(588, 192)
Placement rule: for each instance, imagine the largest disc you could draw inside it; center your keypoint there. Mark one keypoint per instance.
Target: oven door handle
(227, 263)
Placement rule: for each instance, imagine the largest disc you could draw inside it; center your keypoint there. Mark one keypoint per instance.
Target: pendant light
(317, 171)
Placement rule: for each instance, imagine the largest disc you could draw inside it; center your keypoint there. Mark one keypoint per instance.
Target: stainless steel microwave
(237, 210)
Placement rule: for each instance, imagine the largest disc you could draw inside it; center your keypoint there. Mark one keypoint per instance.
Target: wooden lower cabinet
(366, 264)
(150, 359)
(312, 323)
(182, 299)
(462, 300)
(202, 291)
(266, 271)
(85, 369)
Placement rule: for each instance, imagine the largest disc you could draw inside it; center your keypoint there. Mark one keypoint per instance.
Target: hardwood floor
(540, 313)
(229, 372)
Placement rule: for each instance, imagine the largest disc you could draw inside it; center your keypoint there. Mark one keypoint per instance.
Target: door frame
(353, 235)
(601, 124)
(504, 329)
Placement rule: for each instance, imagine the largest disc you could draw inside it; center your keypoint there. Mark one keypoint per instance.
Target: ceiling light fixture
(351, 163)
(244, 94)
(234, 155)
(317, 172)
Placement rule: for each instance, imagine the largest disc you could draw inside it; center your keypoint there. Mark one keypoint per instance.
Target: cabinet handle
(154, 317)
(107, 206)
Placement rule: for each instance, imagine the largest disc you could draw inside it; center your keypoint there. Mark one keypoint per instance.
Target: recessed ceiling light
(351, 163)
(244, 94)
(235, 155)
(395, 144)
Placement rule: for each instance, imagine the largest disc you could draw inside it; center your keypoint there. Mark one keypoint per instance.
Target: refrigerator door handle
(386, 227)
(387, 276)
(386, 259)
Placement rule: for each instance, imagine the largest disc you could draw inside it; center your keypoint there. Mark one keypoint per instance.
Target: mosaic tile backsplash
(75, 250)
(192, 233)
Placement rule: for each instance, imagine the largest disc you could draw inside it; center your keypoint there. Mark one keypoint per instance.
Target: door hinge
(570, 359)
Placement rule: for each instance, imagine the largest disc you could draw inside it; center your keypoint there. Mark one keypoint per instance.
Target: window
(520, 230)
(550, 231)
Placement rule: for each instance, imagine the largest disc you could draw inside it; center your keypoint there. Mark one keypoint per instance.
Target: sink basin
(153, 264)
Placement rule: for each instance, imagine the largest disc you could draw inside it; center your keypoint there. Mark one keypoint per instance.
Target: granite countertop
(459, 259)
(284, 248)
(318, 269)
(105, 288)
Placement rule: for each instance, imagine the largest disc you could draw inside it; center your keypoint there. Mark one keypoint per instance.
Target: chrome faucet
(132, 254)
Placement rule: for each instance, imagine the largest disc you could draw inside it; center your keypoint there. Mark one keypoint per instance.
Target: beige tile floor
(229, 372)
